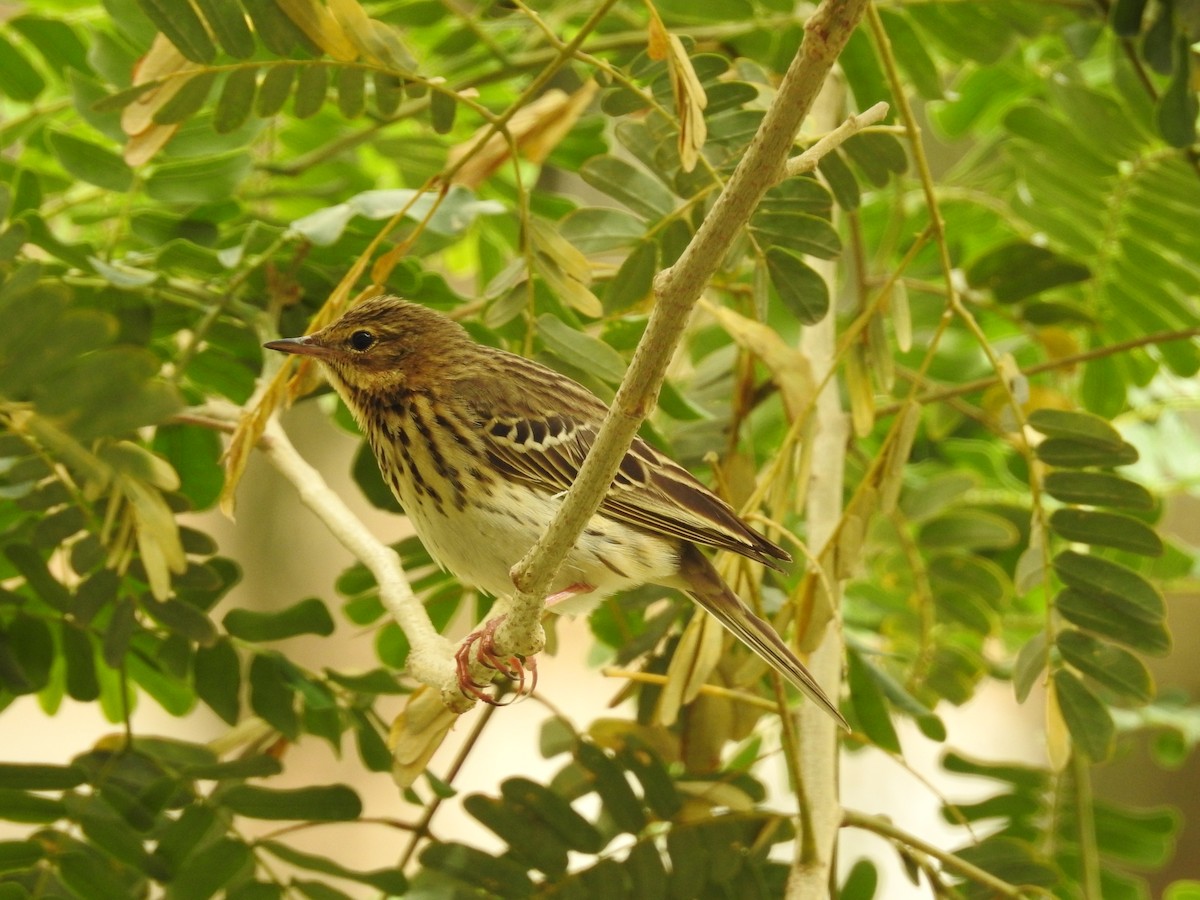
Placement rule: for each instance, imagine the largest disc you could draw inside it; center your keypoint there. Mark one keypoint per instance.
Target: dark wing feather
(539, 428)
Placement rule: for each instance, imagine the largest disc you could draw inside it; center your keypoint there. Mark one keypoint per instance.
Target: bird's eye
(362, 340)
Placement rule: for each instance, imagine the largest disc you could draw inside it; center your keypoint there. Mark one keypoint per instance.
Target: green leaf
(1025, 778)
(275, 89)
(208, 870)
(861, 882)
(320, 803)
(19, 80)
(1016, 271)
(1107, 615)
(1098, 489)
(1177, 106)
(31, 565)
(183, 619)
(1143, 837)
(90, 162)
(1096, 576)
(531, 842)
(30, 808)
(208, 180)
(182, 27)
(40, 777)
(870, 709)
(390, 881)
(800, 288)
(912, 55)
(1116, 669)
(273, 28)
(1106, 529)
(351, 87)
(835, 170)
(1077, 426)
(194, 453)
(595, 229)
(968, 529)
(228, 24)
(187, 102)
(1088, 720)
(589, 353)
(306, 617)
(236, 100)
(495, 875)
(796, 231)
(1031, 663)
(647, 874)
(20, 854)
(686, 850)
(642, 193)
(1074, 454)
(443, 107)
(878, 155)
(634, 281)
(658, 788)
(1182, 890)
(271, 695)
(615, 793)
(579, 834)
(80, 658)
(1125, 17)
(311, 85)
(389, 91)
(218, 679)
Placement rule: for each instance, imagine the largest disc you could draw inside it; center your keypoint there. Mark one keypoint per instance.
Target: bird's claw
(512, 667)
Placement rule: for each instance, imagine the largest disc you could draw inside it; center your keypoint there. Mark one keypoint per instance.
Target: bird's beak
(301, 346)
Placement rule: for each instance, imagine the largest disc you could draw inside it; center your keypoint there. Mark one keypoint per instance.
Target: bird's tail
(706, 587)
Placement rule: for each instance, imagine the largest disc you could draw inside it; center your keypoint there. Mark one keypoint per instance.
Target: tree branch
(949, 861)
(430, 660)
(817, 753)
(677, 289)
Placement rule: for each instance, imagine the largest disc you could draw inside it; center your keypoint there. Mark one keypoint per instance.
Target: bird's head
(382, 344)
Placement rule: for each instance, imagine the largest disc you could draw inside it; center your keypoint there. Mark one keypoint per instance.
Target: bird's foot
(512, 667)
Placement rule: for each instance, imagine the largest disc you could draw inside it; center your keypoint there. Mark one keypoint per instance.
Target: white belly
(482, 547)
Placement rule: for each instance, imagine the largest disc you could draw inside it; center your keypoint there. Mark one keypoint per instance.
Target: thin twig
(807, 161)
(430, 660)
(881, 826)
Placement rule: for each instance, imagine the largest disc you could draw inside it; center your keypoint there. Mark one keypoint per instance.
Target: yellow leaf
(1058, 738)
(789, 367)
(859, 390)
(901, 316)
(417, 733)
(162, 63)
(143, 147)
(690, 101)
(535, 129)
(1059, 343)
(157, 535)
(658, 41)
(565, 269)
(357, 27)
(891, 474)
(321, 28)
(699, 652)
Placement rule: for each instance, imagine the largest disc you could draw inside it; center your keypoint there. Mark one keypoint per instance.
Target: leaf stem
(950, 862)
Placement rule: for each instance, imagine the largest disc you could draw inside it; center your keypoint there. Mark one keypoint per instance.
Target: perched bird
(479, 444)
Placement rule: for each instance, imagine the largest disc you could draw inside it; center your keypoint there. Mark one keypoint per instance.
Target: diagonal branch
(677, 289)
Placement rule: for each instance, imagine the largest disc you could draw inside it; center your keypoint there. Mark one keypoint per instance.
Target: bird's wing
(541, 436)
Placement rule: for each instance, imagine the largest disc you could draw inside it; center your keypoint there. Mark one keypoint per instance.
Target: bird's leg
(573, 590)
(511, 667)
